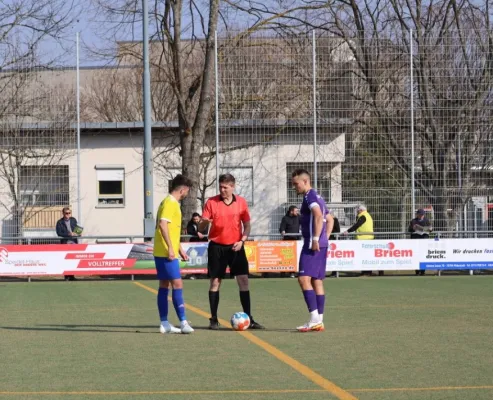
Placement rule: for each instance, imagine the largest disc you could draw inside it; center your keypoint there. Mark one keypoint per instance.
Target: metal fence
(38, 141)
(139, 238)
(393, 120)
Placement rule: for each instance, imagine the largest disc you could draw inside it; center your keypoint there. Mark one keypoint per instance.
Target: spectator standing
(65, 227)
(420, 228)
(363, 224)
(335, 229)
(193, 229)
(290, 224)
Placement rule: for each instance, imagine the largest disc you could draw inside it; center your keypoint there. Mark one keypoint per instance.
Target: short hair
(300, 171)
(361, 207)
(65, 209)
(195, 214)
(227, 178)
(291, 208)
(180, 180)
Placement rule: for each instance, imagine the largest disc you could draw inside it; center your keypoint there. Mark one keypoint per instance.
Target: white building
(111, 181)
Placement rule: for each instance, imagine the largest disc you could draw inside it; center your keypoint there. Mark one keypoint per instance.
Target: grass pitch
(396, 338)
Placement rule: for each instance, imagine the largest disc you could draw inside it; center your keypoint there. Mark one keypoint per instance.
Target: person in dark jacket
(65, 229)
(335, 229)
(420, 228)
(290, 224)
(193, 229)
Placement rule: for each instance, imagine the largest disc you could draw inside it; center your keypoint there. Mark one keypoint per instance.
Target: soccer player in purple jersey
(316, 226)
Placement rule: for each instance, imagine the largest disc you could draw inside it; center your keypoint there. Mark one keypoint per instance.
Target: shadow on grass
(128, 328)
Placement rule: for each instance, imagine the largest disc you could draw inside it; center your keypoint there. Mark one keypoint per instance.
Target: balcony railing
(41, 217)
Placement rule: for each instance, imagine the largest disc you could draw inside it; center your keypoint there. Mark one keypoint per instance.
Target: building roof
(139, 125)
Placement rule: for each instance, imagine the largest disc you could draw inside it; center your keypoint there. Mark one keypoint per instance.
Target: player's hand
(171, 254)
(315, 245)
(184, 256)
(237, 246)
(200, 235)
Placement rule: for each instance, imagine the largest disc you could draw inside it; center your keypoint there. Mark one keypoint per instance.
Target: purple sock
(310, 299)
(320, 303)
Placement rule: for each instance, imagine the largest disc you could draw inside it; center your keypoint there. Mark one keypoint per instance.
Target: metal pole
(459, 166)
(217, 110)
(79, 211)
(413, 195)
(314, 60)
(462, 218)
(148, 167)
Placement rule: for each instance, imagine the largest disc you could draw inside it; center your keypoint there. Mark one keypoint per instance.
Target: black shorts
(222, 256)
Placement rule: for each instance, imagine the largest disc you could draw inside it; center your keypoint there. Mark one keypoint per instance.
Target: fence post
(216, 105)
(314, 72)
(413, 196)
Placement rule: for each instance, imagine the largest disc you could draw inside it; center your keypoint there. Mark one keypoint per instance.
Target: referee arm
(246, 232)
(203, 225)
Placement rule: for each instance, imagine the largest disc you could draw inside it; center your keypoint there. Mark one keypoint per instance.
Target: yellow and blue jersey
(170, 211)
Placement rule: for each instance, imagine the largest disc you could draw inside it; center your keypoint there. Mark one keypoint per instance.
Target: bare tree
(182, 49)
(36, 142)
(453, 105)
(115, 95)
(34, 120)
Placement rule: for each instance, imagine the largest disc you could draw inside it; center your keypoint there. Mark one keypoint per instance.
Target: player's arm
(183, 254)
(318, 222)
(163, 227)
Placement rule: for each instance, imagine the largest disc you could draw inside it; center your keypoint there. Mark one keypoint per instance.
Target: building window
(44, 186)
(244, 181)
(323, 176)
(111, 185)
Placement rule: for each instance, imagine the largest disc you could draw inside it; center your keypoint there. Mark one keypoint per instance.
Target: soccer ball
(240, 321)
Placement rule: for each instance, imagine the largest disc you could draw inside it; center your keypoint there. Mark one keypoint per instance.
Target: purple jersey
(310, 200)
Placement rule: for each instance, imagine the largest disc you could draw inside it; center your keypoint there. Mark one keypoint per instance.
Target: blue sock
(179, 303)
(162, 303)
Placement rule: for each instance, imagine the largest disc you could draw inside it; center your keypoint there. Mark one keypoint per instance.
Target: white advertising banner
(458, 254)
(408, 254)
(342, 255)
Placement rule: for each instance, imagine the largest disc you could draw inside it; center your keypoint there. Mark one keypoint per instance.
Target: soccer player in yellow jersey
(166, 249)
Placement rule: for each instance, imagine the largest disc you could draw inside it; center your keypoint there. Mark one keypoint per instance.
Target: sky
(95, 32)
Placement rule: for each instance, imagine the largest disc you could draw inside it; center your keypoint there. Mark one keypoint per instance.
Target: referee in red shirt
(230, 228)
